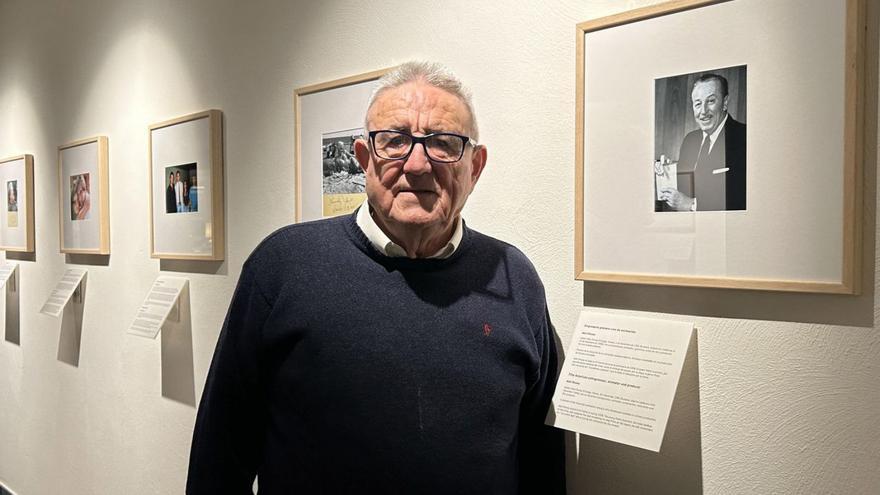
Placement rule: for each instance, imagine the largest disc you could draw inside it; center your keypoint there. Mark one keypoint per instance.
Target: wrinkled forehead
(705, 89)
(418, 106)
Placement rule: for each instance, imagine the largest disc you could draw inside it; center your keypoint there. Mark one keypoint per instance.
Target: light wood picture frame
(187, 220)
(329, 116)
(17, 226)
(800, 227)
(84, 196)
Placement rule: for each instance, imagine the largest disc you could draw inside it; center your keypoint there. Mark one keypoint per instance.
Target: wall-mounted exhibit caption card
(6, 272)
(63, 291)
(158, 305)
(619, 377)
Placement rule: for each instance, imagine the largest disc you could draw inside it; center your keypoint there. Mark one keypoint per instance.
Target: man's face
(710, 107)
(171, 179)
(177, 177)
(416, 193)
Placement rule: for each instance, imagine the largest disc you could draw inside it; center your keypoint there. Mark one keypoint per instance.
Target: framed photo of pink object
(84, 196)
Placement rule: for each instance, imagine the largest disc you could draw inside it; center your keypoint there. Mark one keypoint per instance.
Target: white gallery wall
(780, 394)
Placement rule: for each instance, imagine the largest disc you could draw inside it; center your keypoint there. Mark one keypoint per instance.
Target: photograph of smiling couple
(700, 141)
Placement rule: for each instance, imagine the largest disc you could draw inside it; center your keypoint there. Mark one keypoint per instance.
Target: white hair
(433, 74)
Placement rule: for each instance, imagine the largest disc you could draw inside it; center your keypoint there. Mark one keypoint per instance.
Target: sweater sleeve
(541, 447)
(228, 437)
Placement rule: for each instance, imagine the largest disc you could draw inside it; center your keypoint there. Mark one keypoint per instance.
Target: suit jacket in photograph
(170, 200)
(716, 189)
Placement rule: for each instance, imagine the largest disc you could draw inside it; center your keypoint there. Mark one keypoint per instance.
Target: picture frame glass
(81, 197)
(330, 120)
(791, 223)
(182, 189)
(14, 221)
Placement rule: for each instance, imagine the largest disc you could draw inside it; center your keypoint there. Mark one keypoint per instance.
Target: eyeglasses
(441, 147)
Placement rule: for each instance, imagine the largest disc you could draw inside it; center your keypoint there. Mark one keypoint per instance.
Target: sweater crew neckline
(360, 239)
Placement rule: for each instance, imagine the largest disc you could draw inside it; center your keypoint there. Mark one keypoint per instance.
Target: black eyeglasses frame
(420, 139)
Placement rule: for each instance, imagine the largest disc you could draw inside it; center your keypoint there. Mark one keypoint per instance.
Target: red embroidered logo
(487, 329)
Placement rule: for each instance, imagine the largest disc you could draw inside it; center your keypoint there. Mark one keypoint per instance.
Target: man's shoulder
(734, 125)
(298, 239)
(732, 122)
(295, 251)
(488, 248)
(486, 241)
(734, 135)
(693, 138)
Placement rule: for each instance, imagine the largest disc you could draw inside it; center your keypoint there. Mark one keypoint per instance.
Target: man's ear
(362, 153)
(478, 163)
(726, 98)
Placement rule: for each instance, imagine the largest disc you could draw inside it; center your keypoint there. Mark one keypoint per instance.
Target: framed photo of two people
(186, 188)
(719, 144)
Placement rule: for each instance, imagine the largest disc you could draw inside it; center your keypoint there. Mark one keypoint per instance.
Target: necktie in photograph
(704, 150)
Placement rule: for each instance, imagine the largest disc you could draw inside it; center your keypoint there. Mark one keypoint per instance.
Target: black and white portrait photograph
(700, 141)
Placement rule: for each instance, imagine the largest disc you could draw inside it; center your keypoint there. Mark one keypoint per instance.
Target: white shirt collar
(386, 246)
(715, 133)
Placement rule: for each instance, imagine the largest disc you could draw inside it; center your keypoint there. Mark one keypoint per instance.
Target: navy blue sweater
(340, 370)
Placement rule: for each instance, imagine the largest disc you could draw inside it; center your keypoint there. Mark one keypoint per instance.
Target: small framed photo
(724, 159)
(329, 118)
(84, 196)
(17, 225)
(186, 188)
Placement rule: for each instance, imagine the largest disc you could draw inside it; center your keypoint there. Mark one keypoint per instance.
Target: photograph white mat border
(194, 138)
(786, 239)
(21, 169)
(319, 109)
(90, 236)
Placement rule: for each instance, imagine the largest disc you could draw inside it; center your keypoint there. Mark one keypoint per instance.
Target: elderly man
(394, 350)
(715, 153)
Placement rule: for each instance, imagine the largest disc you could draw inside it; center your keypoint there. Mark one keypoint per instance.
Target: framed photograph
(329, 118)
(17, 225)
(84, 197)
(727, 158)
(186, 188)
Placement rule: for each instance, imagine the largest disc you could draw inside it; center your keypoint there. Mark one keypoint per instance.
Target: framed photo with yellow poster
(329, 118)
(17, 225)
(677, 184)
(84, 196)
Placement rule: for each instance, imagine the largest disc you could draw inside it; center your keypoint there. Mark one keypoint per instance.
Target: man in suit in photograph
(178, 191)
(715, 153)
(170, 197)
